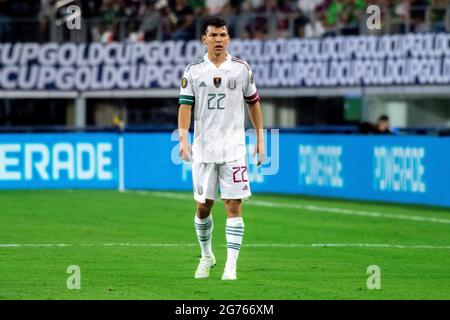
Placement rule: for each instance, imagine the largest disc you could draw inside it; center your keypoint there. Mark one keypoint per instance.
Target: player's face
(216, 40)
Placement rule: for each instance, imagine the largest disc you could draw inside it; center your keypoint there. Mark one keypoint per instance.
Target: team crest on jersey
(184, 83)
(217, 82)
(231, 83)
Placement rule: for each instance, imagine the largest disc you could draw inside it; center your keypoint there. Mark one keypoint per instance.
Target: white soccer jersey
(218, 96)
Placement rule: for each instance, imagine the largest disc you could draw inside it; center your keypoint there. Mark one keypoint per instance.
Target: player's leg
(204, 178)
(204, 226)
(234, 187)
(234, 232)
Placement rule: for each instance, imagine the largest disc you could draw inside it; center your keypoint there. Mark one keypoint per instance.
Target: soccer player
(218, 85)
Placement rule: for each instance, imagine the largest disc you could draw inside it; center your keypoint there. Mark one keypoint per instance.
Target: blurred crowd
(145, 20)
(381, 126)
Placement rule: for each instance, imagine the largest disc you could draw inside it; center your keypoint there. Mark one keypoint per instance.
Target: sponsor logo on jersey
(217, 82)
(199, 190)
(251, 78)
(231, 83)
(184, 83)
(245, 188)
(202, 84)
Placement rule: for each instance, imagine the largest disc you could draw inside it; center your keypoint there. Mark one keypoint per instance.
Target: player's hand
(260, 150)
(185, 151)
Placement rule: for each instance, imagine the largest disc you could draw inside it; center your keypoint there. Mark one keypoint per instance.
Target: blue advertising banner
(57, 161)
(148, 163)
(414, 170)
(397, 169)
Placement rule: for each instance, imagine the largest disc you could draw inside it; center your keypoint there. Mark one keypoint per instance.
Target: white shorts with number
(231, 177)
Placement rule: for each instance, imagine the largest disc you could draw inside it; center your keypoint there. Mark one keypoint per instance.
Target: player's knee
(204, 209)
(233, 208)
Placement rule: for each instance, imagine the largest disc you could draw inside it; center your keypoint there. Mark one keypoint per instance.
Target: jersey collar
(225, 62)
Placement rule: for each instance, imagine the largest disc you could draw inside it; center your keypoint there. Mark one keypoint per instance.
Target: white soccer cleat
(229, 273)
(205, 265)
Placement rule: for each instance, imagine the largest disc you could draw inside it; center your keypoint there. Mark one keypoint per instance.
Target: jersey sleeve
(251, 94)
(187, 89)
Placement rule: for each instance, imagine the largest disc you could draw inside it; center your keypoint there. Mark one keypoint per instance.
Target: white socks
(234, 234)
(204, 228)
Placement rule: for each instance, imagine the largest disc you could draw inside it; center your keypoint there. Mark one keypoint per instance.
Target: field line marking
(311, 208)
(251, 245)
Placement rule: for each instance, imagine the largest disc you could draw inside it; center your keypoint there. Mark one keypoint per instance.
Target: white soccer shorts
(231, 177)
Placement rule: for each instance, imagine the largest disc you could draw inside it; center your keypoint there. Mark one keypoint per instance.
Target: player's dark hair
(215, 21)
(383, 118)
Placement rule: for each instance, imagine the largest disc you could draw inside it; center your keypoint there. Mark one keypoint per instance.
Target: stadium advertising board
(412, 59)
(29, 161)
(398, 169)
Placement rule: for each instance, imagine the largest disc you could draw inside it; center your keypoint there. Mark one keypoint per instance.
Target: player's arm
(251, 97)
(184, 121)
(186, 101)
(255, 114)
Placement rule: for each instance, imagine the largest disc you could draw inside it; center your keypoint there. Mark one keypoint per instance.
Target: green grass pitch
(142, 245)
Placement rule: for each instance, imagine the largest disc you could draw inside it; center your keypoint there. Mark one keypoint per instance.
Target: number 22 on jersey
(214, 101)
